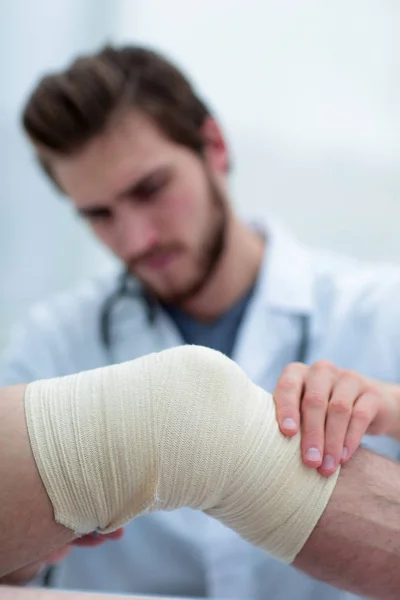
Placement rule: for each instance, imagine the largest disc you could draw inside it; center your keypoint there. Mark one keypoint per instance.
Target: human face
(157, 205)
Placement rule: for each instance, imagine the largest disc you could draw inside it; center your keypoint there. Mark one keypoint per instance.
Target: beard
(208, 256)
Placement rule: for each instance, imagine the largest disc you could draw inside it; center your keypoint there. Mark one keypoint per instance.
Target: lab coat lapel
(271, 333)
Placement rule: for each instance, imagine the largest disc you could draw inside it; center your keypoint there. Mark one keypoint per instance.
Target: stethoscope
(123, 290)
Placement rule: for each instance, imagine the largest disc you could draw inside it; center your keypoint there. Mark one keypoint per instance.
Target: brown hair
(68, 109)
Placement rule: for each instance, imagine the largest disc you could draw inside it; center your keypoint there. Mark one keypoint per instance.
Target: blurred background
(307, 92)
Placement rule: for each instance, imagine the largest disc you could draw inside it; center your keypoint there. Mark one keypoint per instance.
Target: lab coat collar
(286, 278)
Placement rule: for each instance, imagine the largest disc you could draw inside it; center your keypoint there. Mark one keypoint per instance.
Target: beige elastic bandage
(181, 428)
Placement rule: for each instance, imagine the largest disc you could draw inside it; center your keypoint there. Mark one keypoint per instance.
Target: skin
(358, 532)
(14, 438)
(334, 408)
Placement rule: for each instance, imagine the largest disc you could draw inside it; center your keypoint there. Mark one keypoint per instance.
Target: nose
(136, 234)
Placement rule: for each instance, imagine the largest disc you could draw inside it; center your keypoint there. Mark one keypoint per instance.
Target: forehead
(132, 148)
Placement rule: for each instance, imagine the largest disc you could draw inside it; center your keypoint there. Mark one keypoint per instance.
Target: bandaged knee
(181, 428)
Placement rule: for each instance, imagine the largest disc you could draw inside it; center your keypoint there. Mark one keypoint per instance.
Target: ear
(215, 148)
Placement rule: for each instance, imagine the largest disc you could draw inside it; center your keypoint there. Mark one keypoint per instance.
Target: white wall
(43, 246)
(309, 95)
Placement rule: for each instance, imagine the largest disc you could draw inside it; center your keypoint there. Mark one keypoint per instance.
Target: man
(124, 135)
(185, 427)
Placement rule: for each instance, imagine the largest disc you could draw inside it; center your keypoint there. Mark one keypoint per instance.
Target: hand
(335, 409)
(28, 573)
(93, 539)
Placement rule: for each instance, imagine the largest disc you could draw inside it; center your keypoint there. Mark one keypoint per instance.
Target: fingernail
(345, 454)
(313, 455)
(289, 424)
(328, 463)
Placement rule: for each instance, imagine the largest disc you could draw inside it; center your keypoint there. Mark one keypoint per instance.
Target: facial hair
(209, 254)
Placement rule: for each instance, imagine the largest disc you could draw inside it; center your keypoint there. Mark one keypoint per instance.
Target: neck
(236, 272)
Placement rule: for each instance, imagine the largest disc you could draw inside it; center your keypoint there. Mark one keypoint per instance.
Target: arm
(364, 505)
(34, 535)
(27, 528)
(356, 544)
(27, 357)
(32, 354)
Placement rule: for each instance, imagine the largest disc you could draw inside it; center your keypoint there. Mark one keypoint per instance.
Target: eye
(98, 215)
(149, 189)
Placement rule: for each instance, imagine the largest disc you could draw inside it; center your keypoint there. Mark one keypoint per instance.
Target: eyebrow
(92, 211)
(131, 190)
(138, 186)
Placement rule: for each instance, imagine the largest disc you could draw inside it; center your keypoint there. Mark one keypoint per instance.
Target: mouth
(158, 261)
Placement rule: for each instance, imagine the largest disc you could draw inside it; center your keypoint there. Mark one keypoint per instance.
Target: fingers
(335, 408)
(91, 540)
(287, 396)
(340, 413)
(94, 539)
(365, 410)
(318, 389)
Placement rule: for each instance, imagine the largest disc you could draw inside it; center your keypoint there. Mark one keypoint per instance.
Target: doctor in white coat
(153, 185)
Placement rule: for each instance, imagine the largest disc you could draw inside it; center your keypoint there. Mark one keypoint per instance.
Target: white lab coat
(354, 321)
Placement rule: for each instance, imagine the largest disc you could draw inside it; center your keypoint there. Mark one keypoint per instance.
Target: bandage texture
(181, 428)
